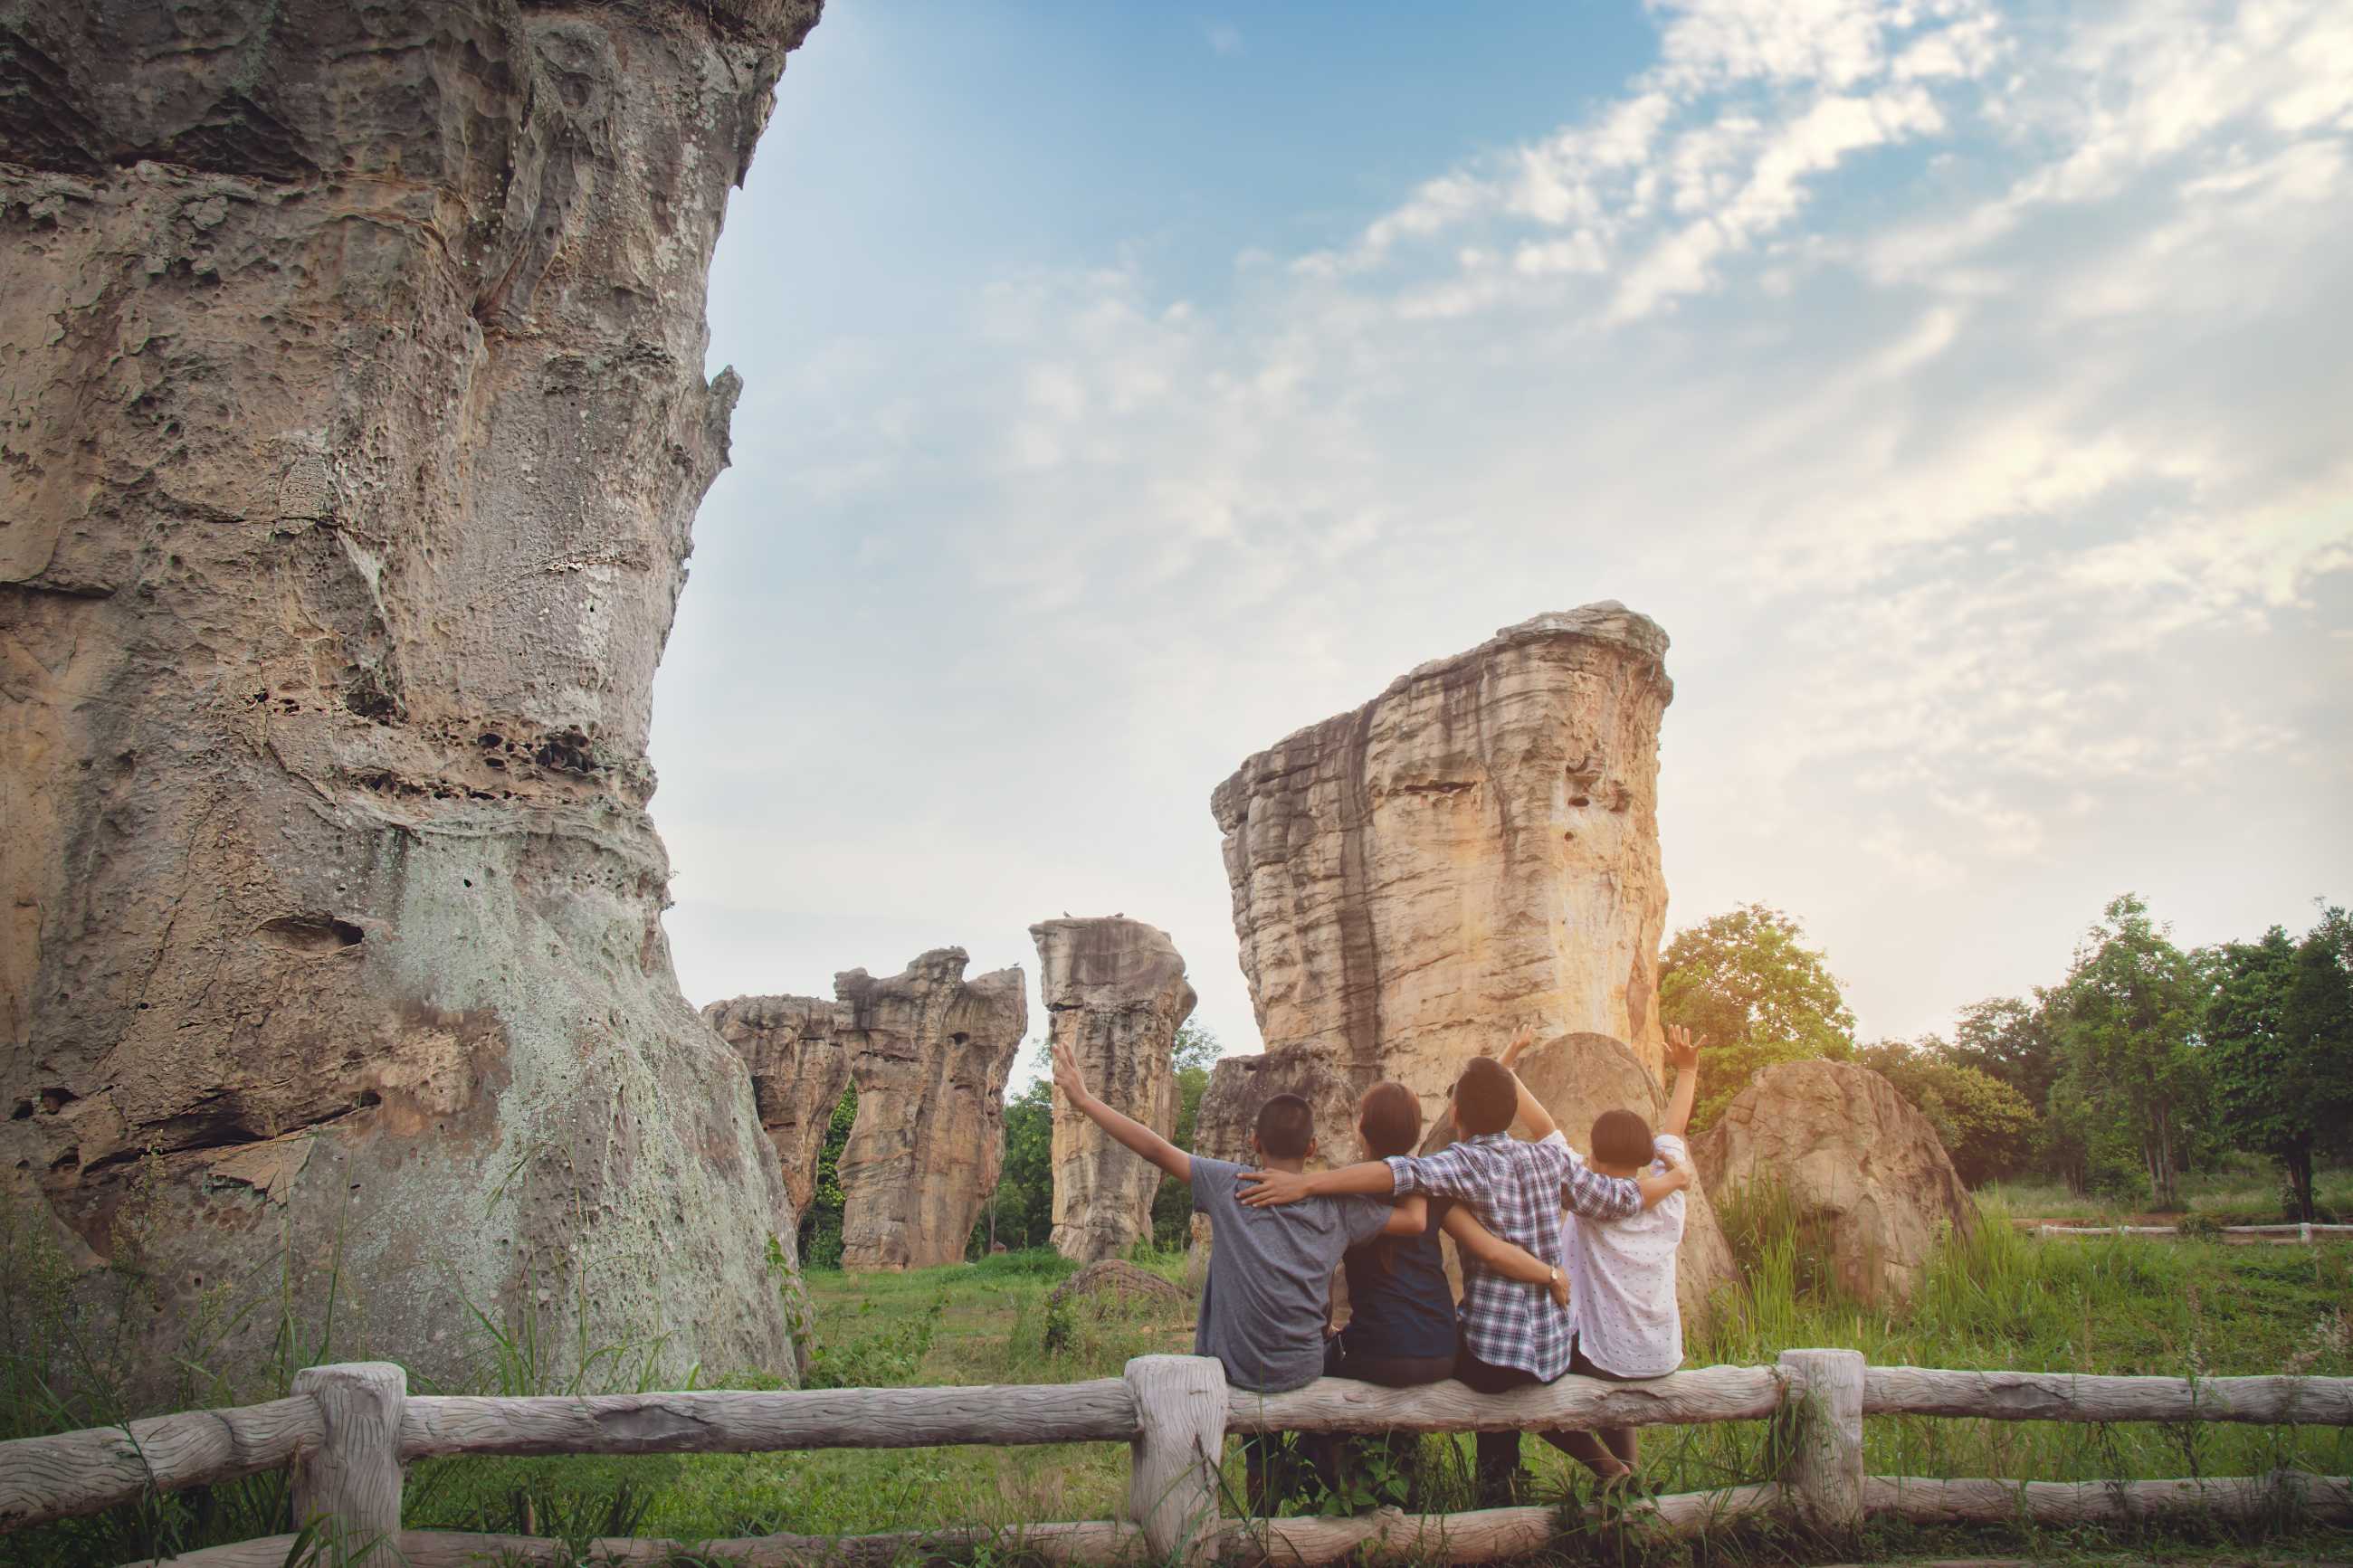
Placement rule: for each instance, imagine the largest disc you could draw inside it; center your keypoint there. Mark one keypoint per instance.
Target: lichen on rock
(356, 424)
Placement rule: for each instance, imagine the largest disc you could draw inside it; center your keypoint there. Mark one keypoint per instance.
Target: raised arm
(1683, 1052)
(1532, 1114)
(1125, 1129)
(1496, 1255)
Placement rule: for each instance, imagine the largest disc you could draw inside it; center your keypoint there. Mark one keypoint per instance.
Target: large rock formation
(1576, 1078)
(1862, 1168)
(1475, 849)
(1114, 991)
(351, 359)
(930, 1053)
(792, 1046)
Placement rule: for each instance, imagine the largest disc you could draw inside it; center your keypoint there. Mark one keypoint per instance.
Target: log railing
(349, 1430)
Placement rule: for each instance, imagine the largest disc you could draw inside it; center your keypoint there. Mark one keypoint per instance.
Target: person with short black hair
(1625, 1322)
(1267, 1301)
(1513, 1332)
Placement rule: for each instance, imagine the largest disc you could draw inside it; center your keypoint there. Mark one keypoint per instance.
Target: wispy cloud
(1224, 38)
(1961, 387)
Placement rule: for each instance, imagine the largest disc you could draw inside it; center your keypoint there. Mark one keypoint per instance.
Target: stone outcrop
(1114, 991)
(1864, 1170)
(1576, 1078)
(1115, 1282)
(1475, 849)
(792, 1046)
(355, 423)
(1227, 1122)
(930, 1053)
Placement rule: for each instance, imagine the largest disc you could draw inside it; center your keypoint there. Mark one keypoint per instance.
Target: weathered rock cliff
(930, 1053)
(1114, 990)
(354, 422)
(1863, 1170)
(799, 1069)
(1475, 849)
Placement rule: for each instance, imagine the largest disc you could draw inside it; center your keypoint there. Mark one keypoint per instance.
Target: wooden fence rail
(2297, 1232)
(349, 1430)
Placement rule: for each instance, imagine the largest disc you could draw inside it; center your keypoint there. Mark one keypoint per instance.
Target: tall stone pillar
(1114, 990)
(930, 1053)
(355, 423)
(1475, 849)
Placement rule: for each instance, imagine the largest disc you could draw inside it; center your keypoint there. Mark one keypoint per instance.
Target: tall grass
(1990, 1299)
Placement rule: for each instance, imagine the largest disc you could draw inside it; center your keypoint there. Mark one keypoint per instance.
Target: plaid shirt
(1517, 1190)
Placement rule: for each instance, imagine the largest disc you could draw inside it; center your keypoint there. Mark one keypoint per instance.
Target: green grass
(1995, 1300)
(2248, 1192)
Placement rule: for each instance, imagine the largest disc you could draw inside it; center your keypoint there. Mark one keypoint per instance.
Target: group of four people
(1591, 1291)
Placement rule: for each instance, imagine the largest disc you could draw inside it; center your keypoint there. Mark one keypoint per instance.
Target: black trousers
(1499, 1452)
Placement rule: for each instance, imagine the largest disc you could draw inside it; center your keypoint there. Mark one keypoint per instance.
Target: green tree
(1985, 1125)
(2008, 1037)
(1196, 1053)
(2279, 1046)
(1747, 981)
(820, 1227)
(1020, 1213)
(2123, 1022)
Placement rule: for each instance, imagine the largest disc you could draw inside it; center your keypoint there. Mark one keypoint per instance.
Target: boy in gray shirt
(1268, 1298)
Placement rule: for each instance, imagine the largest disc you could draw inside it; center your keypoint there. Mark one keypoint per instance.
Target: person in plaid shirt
(1514, 1334)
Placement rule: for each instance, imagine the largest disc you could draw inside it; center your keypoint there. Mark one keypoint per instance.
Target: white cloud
(1964, 392)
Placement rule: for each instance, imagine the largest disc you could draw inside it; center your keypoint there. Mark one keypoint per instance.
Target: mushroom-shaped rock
(1114, 992)
(930, 1053)
(1862, 1168)
(1475, 849)
(798, 1068)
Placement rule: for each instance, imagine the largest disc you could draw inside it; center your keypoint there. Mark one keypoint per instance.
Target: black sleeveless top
(1406, 1310)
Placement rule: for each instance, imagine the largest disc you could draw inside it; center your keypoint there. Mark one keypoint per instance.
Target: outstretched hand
(1265, 1189)
(1066, 1077)
(1683, 1051)
(1522, 1038)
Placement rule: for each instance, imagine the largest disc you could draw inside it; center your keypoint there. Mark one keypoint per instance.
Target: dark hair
(1390, 1118)
(1285, 1127)
(1622, 1138)
(1486, 1099)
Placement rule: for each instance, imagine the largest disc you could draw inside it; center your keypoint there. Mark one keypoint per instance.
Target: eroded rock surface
(355, 421)
(799, 1068)
(930, 1053)
(1475, 849)
(1865, 1170)
(1114, 991)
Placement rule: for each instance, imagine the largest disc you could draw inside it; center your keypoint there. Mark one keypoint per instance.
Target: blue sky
(1964, 387)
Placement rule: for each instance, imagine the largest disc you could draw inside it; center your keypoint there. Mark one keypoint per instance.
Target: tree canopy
(1747, 981)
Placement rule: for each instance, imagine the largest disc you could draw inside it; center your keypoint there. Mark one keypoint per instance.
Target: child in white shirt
(1625, 1321)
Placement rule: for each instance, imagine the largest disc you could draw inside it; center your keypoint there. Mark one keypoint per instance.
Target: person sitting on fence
(1402, 1329)
(1267, 1301)
(1514, 1334)
(1625, 1323)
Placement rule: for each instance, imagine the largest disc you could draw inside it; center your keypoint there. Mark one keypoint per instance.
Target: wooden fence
(348, 1430)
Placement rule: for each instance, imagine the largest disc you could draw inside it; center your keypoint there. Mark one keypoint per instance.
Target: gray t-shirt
(1269, 1293)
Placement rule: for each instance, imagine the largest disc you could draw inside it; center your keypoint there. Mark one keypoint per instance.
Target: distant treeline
(2144, 1062)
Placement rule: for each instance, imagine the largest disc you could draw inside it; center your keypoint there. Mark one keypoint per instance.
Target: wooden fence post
(1825, 1474)
(1172, 1487)
(351, 1481)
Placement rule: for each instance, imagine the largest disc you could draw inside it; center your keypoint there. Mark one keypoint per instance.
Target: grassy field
(2249, 1194)
(1999, 1299)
